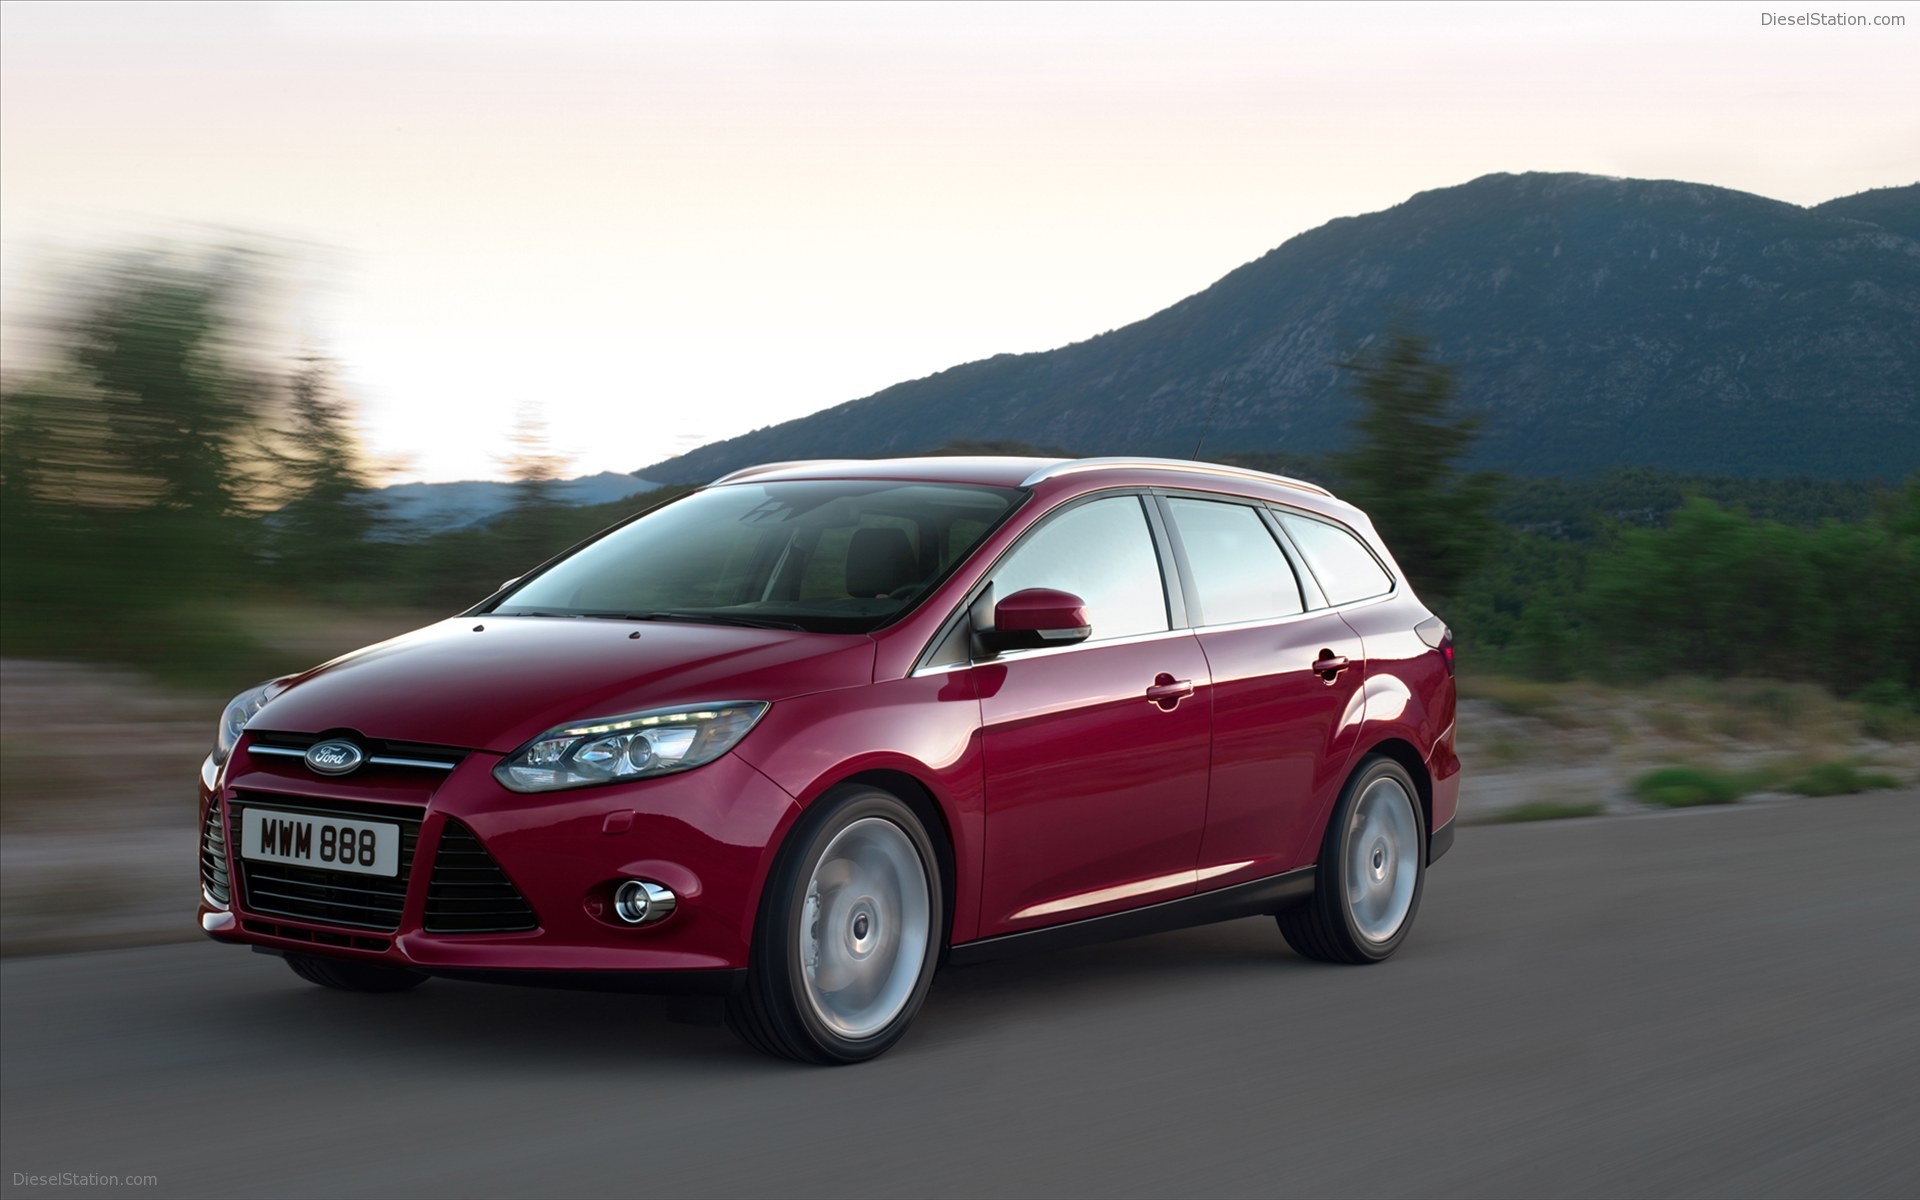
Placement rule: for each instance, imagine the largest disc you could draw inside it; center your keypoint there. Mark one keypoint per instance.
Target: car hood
(493, 683)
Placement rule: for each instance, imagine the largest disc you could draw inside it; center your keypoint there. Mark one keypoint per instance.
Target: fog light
(638, 902)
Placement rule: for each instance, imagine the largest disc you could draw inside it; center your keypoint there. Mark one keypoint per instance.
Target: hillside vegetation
(1594, 323)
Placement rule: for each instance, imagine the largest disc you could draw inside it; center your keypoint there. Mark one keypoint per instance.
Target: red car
(804, 734)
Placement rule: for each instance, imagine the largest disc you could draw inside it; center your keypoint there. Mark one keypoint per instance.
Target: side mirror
(1037, 617)
(507, 583)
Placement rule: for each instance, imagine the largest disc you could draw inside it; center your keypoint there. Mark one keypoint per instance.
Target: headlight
(635, 746)
(239, 711)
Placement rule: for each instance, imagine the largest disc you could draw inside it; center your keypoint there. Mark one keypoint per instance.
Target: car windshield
(831, 556)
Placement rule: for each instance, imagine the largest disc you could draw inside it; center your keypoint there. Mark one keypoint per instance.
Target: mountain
(1895, 209)
(1594, 323)
(416, 510)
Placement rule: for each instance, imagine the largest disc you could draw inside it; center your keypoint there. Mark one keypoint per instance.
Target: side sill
(1441, 841)
(1260, 897)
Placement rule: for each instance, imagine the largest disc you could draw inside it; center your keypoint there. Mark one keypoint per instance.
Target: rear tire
(848, 933)
(345, 975)
(1371, 872)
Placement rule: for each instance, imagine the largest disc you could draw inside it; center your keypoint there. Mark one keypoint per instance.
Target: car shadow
(1187, 960)
(537, 1028)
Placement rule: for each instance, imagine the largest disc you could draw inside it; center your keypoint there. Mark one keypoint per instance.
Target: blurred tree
(127, 482)
(536, 527)
(161, 347)
(1403, 466)
(1720, 593)
(323, 530)
(25, 443)
(1900, 511)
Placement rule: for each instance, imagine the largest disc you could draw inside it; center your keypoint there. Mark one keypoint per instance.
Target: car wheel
(848, 933)
(343, 975)
(1371, 871)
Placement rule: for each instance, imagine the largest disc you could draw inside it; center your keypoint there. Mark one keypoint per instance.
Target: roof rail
(769, 468)
(1075, 466)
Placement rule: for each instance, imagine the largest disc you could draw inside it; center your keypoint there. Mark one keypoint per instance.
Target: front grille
(415, 755)
(319, 937)
(469, 893)
(324, 896)
(213, 856)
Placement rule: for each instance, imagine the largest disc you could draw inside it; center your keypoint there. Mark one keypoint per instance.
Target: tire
(848, 934)
(1371, 873)
(346, 975)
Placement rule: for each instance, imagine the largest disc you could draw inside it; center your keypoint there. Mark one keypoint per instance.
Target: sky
(660, 225)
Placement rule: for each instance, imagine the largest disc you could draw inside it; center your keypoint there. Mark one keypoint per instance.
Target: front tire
(848, 933)
(1371, 872)
(344, 975)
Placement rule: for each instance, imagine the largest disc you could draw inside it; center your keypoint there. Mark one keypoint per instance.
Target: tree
(161, 347)
(128, 464)
(533, 530)
(1403, 467)
(26, 443)
(322, 530)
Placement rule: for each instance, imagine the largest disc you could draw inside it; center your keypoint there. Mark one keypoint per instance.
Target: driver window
(1103, 553)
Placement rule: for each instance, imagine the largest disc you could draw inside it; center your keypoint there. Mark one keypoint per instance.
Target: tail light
(1434, 632)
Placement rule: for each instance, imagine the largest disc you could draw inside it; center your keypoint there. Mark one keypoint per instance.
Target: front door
(1096, 754)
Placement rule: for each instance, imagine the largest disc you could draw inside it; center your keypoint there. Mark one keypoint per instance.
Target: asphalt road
(1712, 1003)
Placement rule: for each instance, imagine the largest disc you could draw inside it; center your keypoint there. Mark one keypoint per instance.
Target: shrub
(1686, 787)
(1889, 711)
(1839, 779)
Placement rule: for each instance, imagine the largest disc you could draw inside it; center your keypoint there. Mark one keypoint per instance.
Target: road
(1717, 1003)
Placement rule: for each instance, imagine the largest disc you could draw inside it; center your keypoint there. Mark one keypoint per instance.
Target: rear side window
(1103, 553)
(1346, 569)
(1238, 568)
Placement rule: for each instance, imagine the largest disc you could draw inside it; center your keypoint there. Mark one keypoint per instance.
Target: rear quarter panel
(1410, 696)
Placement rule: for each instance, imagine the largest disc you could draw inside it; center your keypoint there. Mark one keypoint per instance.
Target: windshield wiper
(709, 618)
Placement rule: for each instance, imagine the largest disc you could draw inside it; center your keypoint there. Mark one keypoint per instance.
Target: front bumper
(707, 834)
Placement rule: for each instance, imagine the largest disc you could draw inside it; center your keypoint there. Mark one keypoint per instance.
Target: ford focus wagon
(801, 736)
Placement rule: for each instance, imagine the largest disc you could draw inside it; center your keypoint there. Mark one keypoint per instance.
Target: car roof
(1009, 471)
(994, 471)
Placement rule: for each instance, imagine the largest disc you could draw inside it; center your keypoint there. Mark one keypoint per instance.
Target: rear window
(1346, 569)
(1238, 568)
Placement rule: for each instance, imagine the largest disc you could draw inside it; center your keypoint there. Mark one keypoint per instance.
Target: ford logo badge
(334, 757)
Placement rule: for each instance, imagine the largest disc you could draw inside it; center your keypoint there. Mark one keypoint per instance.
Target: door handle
(1168, 692)
(1329, 665)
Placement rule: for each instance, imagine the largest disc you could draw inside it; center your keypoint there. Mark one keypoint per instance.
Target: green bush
(1889, 693)
(1890, 724)
(1840, 779)
(1686, 787)
(1718, 593)
(1889, 711)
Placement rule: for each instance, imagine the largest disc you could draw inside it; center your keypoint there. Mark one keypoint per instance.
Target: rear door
(1286, 689)
(1096, 754)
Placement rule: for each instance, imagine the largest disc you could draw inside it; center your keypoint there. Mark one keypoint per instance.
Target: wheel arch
(933, 816)
(1403, 752)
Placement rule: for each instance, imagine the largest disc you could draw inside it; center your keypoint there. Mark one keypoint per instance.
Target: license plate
(323, 843)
